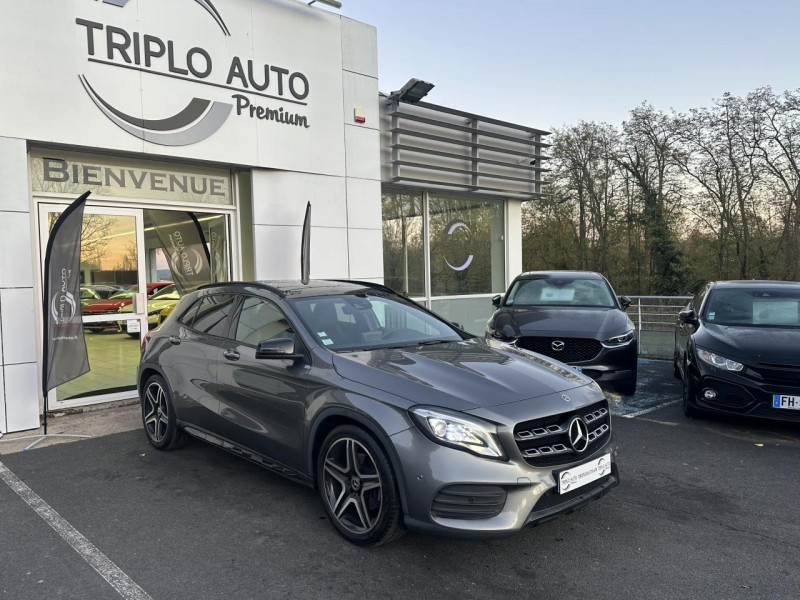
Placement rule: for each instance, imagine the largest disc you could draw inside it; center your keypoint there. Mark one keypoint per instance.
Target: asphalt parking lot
(706, 509)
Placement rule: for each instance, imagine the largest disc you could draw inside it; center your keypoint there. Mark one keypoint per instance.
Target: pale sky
(546, 63)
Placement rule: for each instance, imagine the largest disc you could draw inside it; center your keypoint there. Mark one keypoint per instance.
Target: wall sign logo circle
(201, 117)
(453, 227)
(63, 306)
(578, 434)
(557, 345)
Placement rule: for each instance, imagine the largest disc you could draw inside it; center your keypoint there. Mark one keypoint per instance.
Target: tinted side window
(697, 301)
(261, 320)
(188, 316)
(212, 314)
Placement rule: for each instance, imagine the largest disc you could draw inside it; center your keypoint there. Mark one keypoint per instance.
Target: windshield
(170, 290)
(370, 321)
(754, 307)
(121, 295)
(561, 291)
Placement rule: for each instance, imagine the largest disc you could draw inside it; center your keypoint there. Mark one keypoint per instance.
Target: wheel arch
(330, 418)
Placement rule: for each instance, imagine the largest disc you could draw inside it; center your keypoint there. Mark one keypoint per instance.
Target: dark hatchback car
(396, 416)
(573, 317)
(737, 349)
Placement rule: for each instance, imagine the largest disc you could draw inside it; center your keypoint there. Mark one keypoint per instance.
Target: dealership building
(235, 113)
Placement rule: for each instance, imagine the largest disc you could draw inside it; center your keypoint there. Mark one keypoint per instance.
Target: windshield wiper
(434, 342)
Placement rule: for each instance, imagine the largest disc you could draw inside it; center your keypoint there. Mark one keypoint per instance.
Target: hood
(104, 305)
(459, 375)
(751, 345)
(600, 323)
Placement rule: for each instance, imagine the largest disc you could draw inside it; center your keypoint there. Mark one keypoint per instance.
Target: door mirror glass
(278, 348)
(496, 300)
(624, 302)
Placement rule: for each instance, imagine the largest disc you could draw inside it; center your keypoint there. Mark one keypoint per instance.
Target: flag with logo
(64, 347)
(181, 237)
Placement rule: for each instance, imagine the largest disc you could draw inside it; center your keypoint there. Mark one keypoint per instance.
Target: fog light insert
(709, 394)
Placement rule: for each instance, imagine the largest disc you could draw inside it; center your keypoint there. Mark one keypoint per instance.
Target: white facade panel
(19, 330)
(280, 198)
(362, 147)
(16, 250)
(361, 92)
(359, 48)
(3, 427)
(277, 252)
(364, 204)
(22, 396)
(365, 261)
(13, 176)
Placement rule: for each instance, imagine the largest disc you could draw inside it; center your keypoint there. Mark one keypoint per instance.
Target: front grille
(552, 499)
(777, 373)
(545, 442)
(574, 350)
(469, 502)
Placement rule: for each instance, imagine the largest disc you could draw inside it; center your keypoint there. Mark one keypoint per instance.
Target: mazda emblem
(557, 345)
(578, 434)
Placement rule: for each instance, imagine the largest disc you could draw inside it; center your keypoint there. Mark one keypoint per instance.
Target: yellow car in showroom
(163, 300)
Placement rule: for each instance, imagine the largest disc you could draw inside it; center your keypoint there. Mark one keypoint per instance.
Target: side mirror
(277, 349)
(457, 324)
(496, 300)
(687, 316)
(624, 302)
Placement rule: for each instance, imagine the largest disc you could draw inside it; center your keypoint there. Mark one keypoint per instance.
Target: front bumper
(738, 394)
(612, 364)
(531, 495)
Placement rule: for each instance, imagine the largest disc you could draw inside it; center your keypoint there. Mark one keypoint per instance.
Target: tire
(158, 416)
(676, 372)
(688, 392)
(358, 487)
(628, 386)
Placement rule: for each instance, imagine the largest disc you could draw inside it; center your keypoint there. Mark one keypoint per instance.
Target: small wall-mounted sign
(360, 114)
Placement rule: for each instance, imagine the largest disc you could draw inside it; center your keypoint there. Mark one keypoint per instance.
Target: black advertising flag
(64, 347)
(305, 248)
(185, 247)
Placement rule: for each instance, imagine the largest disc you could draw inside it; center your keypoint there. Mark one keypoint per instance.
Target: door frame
(45, 206)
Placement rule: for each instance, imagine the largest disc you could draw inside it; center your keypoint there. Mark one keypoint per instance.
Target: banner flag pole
(305, 247)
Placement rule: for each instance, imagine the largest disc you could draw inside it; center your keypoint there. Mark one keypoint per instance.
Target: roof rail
(257, 284)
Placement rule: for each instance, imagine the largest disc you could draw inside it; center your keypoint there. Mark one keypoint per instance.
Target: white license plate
(584, 474)
(787, 402)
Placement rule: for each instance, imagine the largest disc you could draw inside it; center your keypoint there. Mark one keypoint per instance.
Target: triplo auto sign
(285, 91)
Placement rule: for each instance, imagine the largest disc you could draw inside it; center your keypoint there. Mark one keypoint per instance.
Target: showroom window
(446, 250)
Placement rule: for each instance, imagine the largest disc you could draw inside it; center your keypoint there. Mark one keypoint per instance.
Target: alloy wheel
(156, 412)
(353, 486)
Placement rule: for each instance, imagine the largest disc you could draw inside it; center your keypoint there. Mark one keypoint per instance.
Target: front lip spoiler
(537, 518)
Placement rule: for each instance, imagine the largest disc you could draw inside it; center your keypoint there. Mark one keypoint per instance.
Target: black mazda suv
(573, 317)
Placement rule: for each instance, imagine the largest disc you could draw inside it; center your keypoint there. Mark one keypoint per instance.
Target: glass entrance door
(114, 293)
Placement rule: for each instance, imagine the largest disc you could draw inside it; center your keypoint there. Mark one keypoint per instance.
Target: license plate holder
(785, 402)
(583, 474)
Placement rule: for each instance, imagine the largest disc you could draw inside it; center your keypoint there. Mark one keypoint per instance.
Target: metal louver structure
(439, 147)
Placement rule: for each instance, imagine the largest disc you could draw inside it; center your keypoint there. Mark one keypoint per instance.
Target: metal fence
(654, 318)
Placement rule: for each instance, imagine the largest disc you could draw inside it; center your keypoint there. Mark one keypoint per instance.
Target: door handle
(174, 340)
(231, 354)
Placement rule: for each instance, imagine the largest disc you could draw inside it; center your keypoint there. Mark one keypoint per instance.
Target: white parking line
(639, 413)
(124, 585)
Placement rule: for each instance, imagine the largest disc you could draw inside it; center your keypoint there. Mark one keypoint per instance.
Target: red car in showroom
(113, 303)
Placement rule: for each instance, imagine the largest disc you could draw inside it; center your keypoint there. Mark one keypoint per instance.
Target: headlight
(719, 361)
(618, 340)
(458, 431)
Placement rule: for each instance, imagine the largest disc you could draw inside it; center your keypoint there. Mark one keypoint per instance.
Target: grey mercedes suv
(398, 418)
